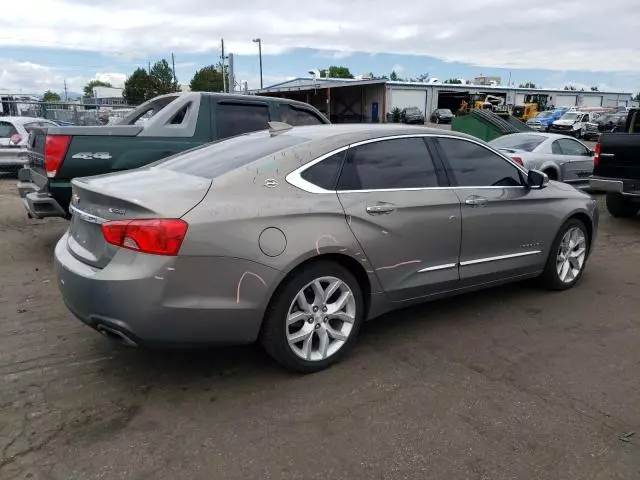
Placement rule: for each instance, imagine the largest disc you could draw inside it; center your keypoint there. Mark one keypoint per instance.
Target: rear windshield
(518, 142)
(144, 112)
(215, 159)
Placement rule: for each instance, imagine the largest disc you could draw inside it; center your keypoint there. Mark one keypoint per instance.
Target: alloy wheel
(320, 318)
(571, 254)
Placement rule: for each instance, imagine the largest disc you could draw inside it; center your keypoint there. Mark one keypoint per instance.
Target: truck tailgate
(619, 156)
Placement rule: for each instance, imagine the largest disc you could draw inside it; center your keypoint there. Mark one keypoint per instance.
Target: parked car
(617, 169)
(14, 132)
(161, 127)
(295, 236)
(577, 124)
(442, 115)
(612, 122)
(560, 157)
(412, 115)
(543, 120)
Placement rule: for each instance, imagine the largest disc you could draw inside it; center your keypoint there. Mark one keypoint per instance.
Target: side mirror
(592, 153)
(536, 179)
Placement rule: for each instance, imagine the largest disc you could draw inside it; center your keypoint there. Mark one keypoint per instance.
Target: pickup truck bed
(617, 168)
(155, 130)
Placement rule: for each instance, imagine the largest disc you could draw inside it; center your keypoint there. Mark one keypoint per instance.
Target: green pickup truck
(161, 127)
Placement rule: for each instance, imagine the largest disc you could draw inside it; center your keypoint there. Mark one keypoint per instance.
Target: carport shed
(340, 100)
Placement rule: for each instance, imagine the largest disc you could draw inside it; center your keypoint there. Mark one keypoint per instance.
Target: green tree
(594, 89)
(138, 88)
(569, 87)
(527, 85)
(50, 96)
(336, 72)
(638, 97)
(88, 88)
(454, 81)
(162, 78)
(423, 77)
(208, 79)
(394, 76)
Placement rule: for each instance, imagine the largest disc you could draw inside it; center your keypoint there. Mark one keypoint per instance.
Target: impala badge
(270, 183)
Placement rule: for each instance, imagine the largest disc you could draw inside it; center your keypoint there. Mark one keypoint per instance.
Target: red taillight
(16, 138)
(155, 236)
(596, 155)
(55, 149)
(518, 160)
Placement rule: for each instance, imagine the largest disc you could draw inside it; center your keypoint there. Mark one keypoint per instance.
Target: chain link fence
(65, 113)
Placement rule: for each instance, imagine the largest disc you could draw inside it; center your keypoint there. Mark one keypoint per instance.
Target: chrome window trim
(499, 257)
(87, 216)
(295, 177)
(435, 268)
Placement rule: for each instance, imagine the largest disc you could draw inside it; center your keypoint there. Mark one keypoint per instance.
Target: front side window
(298, 116)
(236, 118)
(472, 165)
(572, 147)
(388, 164)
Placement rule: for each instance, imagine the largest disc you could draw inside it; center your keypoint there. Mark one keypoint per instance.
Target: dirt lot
(513, 383)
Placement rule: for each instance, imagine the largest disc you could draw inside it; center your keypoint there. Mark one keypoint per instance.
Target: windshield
(144, 112)
(446, 111)
(569, 116)
(544, 114)
(412, 110)
(218, 158)
(518, 141)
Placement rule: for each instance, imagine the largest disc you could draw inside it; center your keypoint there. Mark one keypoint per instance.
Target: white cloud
(32, 78)
(566, 35)
(397, 68)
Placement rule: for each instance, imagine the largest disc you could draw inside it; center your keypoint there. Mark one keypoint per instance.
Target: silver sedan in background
(561, 157)
(295, 236)
(14, 135)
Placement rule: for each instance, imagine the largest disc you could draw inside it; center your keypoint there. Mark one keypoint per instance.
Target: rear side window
(388, 164)
(472, 165)
(236, 118)
(30, 126)
(517, 141)
(213, 160)
(295, 116)
(324, 174)
(7, 129)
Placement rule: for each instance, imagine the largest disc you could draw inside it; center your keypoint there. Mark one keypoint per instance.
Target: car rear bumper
(621, 186)
(167, 301)
(37, 201)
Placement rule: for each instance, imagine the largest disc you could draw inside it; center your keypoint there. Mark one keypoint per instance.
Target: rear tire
(620, 206)
(564, 251)
(338, 328)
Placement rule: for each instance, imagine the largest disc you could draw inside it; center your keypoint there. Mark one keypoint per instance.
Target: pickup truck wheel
(567, 257)
(620, 206)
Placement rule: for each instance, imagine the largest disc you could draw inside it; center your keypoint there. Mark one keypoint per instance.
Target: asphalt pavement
(509, 383)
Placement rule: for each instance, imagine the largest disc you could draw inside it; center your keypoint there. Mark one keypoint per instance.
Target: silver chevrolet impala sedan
(295, 236)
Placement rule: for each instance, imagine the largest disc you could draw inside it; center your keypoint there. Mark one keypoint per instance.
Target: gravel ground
(511, 383)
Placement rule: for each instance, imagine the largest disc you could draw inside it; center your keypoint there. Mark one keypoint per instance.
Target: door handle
(380, 209)
(476, 201)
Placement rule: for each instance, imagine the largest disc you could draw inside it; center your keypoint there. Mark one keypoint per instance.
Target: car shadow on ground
(175, 370)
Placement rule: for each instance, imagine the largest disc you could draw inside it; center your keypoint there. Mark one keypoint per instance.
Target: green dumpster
(486, 125)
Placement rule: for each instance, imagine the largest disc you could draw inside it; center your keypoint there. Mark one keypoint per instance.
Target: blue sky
(549, 43)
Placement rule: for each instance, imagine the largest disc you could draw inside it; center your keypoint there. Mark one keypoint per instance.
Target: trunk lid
(619, 156)
(146, 193)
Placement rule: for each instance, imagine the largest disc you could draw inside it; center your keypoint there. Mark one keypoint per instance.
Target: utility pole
(66, 97)
(149, 68)
(222, 57)
(173, 67)
(259, 42)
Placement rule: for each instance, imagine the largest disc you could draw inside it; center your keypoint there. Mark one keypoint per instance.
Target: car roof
(548, 136)
(355, 132)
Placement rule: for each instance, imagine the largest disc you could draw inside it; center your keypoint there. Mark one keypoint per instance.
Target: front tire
(620, 206)
(567, 257)
(313, 318)
(437, 120)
